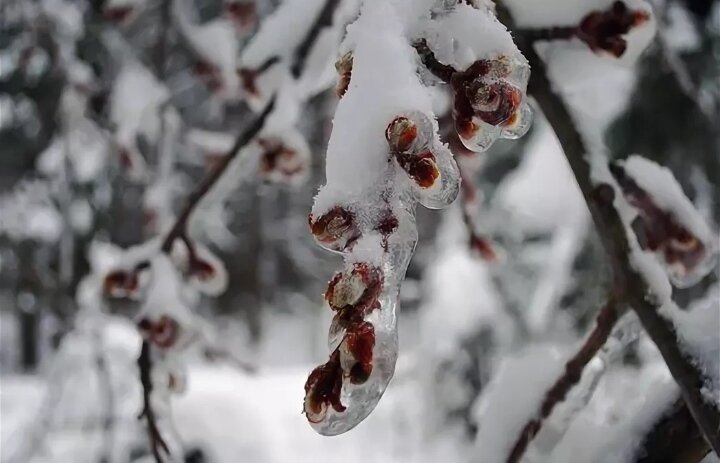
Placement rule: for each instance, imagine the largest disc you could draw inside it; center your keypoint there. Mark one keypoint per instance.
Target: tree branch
(604, 324)
(324, 19)
(633, 287)
(156, 440)
(179, 229)
(673, 439)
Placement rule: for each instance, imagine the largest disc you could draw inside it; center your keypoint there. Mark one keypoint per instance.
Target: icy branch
(604, 324)
(633, 288)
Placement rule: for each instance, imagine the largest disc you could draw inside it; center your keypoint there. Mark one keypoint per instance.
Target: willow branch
(633, 287)
(604, 324)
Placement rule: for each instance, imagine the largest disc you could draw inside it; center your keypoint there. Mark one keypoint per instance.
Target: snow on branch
(635, 286)
(383, 157)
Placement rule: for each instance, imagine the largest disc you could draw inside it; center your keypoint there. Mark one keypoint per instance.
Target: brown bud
(322, 390)
(400, 134)
(335, 229)
(344, 69)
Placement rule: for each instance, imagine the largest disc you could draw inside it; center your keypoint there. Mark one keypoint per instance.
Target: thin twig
(156, 440)
(632, 286)
(604, 324)
(178, 230)
(323, 19)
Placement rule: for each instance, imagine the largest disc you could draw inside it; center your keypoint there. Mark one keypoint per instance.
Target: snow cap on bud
(667, 222)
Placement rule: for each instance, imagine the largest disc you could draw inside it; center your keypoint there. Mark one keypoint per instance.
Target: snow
(511, 400)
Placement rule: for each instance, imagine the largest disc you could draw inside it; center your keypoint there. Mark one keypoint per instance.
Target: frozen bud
(687, 257)
(401, 133)
(336, 229)
(209, 74)
(322, 390)
(603, 30)
(248, 81)
(163, 332)
(123, 283)
(357, 290)
(422, 168)
(356, 352)
(409, 133)
(242, 12)
(344, 69)
(280, 162)
(483, 247)
(117, 14)
(496, 103)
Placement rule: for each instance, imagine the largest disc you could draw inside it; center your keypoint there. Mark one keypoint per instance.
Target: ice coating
(486, 71)
(384, 156)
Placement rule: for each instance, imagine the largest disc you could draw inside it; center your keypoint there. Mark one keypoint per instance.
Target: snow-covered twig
(178, 230)
(673, 438)
(604, 324)
(633, 288)
(303, 50)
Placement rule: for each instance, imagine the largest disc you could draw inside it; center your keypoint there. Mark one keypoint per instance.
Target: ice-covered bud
(401, 133)
(356, 290)
(356, 352)
(243, 13)
(603, 30)
(422, 168)
(667, 224)
(490, 101)
(494, 102)
(117, 14)
(322, 390)
(126, 283)
(344, 69)
(209, 74)
(280, 162)
(386, 225)
(163, 332)
(335, 230)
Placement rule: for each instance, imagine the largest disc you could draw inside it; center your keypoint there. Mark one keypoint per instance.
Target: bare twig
(324, 19)
(157, 442)
(604, 323)
(631, 285)
(178, 230)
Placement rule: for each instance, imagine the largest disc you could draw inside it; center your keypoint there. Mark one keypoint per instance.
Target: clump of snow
(511, 400)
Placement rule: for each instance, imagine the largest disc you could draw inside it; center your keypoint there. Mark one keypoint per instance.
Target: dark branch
(633, 287)
(324, 19)
(157, 442)
(442, 71)
(673, 439)
(604, 324)
(180, 227)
